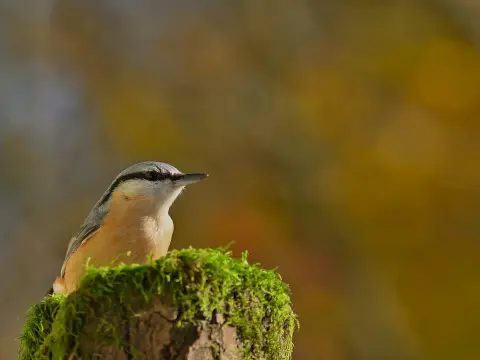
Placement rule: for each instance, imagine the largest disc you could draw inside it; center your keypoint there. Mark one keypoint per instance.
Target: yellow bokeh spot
(448, 77)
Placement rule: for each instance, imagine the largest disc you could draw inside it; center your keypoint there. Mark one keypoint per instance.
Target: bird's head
(155, 183)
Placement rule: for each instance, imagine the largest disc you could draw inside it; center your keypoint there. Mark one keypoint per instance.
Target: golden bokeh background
(342, 139)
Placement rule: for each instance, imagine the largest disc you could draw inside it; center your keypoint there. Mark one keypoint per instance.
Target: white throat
(158, 231)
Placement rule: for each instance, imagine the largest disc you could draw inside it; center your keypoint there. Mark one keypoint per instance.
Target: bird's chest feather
(150, 236)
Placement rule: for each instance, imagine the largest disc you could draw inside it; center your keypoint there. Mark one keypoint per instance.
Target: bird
(129, 224)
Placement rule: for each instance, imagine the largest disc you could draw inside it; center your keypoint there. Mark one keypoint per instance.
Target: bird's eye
(152, 175)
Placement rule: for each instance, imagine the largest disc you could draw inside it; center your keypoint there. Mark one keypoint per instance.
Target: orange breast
(106, 248)
(126, 236)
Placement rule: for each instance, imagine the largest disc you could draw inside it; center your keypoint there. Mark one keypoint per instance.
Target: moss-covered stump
(192, 304)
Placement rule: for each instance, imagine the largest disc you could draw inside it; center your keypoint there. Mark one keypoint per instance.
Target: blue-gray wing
(86, 231)
(92, 223)
(90, 226)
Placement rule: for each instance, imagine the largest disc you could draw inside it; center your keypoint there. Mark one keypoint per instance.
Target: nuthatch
(129, 224)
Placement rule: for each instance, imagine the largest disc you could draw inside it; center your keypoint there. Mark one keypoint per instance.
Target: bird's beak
(188, 179)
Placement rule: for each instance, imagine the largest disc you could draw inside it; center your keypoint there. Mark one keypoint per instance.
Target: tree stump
(192, 304)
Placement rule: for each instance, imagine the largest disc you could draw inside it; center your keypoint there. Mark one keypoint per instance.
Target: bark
(151, 332)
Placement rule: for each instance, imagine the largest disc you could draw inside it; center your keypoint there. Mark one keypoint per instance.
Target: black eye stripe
(151, 175)
(144, 175)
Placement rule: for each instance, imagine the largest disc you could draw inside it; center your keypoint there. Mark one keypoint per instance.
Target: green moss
(40, 319)
(199, 281)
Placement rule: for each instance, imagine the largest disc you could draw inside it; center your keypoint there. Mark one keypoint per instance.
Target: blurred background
(342, 139)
